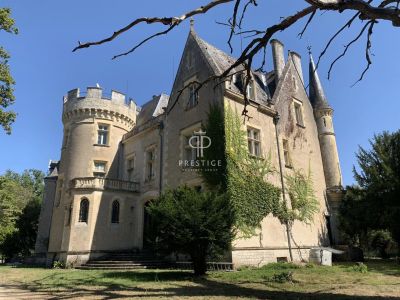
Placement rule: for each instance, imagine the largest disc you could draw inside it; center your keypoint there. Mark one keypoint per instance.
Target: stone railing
(99, 183)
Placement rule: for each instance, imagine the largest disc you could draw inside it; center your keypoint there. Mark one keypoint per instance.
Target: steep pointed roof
(221, 61)
(152, 109)
(316, 92)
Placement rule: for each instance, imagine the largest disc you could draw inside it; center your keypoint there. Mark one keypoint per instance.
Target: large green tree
(7, 82)
(375, 203)
(20, 199)
(196, 223)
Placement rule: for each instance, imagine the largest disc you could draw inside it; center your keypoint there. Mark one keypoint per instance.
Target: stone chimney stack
(278, 57)
(296, 58)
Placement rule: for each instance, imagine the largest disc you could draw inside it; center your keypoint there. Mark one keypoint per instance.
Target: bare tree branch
(170, 21)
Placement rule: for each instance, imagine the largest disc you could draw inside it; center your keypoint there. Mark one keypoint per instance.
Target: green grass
(341, 281)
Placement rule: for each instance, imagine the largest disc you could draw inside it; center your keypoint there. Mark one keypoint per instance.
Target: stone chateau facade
(116, 157)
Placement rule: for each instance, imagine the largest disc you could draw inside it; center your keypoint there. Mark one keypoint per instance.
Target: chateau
(116, 157)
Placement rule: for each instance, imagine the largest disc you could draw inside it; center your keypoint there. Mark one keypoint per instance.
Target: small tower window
(299, 114)
(286, 154)
(66, 138)
(324, 121)
(115, 212)
(102, 134)
(253, 142)
(84, 211)
(99, 169)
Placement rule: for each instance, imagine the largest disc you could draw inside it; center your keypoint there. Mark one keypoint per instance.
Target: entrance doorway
(146, 226)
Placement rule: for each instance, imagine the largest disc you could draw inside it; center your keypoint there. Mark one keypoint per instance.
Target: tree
(20, 199)
(368, 12)
(187, 221)
(375, 203)
(6, 80)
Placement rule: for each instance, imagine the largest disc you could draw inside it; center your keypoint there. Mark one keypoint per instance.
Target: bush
(359, 267)
(187, 221)
(282, 277)
(58, 265)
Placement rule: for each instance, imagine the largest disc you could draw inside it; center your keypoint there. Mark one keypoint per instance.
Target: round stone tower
(93, 127)
(323, 114)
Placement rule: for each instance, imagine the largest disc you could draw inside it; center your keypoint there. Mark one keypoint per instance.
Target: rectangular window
(102, 134)
(286, 154)
(193, 96)
(190, 153)
(99, 169)
(250, 90)
(130, 167)
(299, 114)
(66, 137)
(150, 157)
(253, 141)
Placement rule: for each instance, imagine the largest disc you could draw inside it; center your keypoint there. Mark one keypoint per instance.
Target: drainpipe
(161, 128)
(276, 120)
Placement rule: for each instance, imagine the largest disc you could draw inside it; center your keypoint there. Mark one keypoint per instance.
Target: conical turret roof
(316, 92)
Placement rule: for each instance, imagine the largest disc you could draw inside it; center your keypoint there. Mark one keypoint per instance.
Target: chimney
(278, 57)
(296, 58)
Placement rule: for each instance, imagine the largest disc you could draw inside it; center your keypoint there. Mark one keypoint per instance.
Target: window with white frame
(103, 134)
(130, 167)
(99, 168)
(150, 164)
(193, 95)
(286, 154)
(250, 90)
(189, 152)
(253, 141)
(299, 113)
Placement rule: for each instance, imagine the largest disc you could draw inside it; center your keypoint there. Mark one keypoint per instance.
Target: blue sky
(45, 68)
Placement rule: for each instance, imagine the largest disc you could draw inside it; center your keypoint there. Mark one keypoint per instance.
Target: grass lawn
(342, 281)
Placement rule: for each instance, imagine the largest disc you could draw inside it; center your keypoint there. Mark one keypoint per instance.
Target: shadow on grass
(385, 267)
(135, 284)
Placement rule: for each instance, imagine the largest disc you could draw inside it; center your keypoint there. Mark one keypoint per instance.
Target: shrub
(282, 277)
(280, 266)
(359, 267)
(58, 265)
(187, 221)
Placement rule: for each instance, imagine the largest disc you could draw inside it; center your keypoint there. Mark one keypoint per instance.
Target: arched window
(115, 212)
(84, 211)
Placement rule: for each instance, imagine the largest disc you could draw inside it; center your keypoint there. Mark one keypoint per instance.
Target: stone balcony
(98, 183)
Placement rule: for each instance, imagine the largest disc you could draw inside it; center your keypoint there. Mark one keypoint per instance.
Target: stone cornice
(98, 113)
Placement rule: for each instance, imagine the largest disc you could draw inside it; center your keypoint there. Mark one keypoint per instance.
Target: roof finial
(309, 49)
(191, 23)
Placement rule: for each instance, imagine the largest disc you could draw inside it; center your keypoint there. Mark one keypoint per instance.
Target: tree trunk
(199, 265)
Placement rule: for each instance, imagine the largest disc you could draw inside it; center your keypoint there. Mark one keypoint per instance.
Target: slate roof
(152, 109)
(221, 61)
(316, 92)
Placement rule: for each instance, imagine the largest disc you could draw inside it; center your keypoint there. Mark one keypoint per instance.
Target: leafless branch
(347, 47)
(307, 23)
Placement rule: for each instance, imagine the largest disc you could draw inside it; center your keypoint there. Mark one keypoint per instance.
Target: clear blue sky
(45, 68)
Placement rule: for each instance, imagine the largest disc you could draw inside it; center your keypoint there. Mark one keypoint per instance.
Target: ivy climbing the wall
(246, 178)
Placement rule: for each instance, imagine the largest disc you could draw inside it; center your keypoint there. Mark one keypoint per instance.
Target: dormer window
(250, 90)
(239, 80)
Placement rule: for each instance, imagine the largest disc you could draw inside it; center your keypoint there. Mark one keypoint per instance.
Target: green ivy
(245, 178)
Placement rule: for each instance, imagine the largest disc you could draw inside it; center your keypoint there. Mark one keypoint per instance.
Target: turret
(323, 114)
(93, 128)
